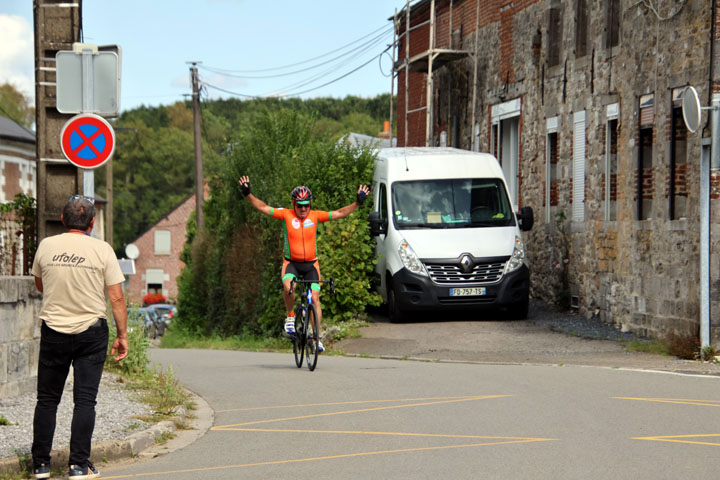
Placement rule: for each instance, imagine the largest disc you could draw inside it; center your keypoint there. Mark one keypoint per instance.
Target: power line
(330, 70)
(230, 72)
(372, 41)
(297, 93)
(342, 76)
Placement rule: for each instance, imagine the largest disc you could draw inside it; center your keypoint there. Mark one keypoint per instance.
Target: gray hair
(78, 213)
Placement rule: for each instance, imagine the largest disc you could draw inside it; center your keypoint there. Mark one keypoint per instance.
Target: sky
(247, 48)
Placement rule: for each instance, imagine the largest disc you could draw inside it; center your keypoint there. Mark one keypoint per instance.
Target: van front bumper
(416, 292)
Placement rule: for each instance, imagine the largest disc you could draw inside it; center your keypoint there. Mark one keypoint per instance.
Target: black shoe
(41, 471)
(79, 473)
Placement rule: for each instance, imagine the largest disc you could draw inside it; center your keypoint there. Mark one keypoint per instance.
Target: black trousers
(86, 352)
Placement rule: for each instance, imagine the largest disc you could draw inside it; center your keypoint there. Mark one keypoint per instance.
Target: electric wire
(229, 72)
(349, 52)
(304, 82)
(340, 77)
(296, 93)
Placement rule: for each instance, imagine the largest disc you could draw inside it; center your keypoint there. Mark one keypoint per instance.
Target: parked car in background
(166, 311)
(149, 319)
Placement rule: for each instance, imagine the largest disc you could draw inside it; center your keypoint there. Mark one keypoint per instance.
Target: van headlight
(518, 256)
(410, 260)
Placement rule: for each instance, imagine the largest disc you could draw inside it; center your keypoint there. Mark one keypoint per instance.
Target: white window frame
(163, 242)
(578, 205)
(551, 127)
(612, 112)
(507, 146)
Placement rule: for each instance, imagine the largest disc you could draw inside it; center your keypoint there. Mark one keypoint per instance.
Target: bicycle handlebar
(305, 282)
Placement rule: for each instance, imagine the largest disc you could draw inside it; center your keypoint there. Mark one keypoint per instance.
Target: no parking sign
(87, 140)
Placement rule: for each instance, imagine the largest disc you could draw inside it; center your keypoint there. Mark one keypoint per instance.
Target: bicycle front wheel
(298, 338)
(311, 338)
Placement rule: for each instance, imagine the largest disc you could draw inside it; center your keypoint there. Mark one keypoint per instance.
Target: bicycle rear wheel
(298, 338)
(311, 338)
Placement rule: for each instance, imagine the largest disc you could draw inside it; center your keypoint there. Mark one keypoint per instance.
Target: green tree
(15, 106)
(153, 165)
(231, 283)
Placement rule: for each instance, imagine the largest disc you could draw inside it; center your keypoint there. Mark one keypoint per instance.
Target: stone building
(580, 101)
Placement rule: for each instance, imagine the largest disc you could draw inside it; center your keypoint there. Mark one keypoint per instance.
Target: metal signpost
(88, 82)
(691, 114)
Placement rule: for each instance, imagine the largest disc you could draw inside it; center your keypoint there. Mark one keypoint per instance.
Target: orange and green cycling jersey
(300, 233)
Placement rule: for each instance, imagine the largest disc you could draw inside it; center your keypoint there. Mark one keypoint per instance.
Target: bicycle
(306, 337)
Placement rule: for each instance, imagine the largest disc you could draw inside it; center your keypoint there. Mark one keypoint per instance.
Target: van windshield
(451, 203)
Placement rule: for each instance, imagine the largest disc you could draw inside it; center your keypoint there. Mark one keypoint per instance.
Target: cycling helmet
(301, 195)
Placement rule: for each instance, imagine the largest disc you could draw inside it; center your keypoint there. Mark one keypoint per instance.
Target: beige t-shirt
(75, 269)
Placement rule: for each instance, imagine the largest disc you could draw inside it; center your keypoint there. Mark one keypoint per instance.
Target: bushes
(231, 285)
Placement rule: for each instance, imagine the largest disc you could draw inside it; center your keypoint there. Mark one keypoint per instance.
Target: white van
(446, 233)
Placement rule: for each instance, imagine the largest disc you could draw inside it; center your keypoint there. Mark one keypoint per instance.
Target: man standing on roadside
(73, 270)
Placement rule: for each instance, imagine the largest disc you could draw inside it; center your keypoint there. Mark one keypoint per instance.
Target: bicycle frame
(306, 338)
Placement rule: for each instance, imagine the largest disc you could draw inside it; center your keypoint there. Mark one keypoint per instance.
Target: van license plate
(464, 292)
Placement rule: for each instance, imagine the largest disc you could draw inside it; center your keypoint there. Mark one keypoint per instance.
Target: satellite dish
(132, 251)
(691, 109)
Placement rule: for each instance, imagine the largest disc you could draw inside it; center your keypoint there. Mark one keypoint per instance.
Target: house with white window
(158, 263)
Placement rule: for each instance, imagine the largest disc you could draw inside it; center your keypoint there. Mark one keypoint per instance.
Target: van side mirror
(526, 218)
(378, 226)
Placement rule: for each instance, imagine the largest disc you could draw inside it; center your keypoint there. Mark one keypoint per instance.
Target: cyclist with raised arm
(299, 255)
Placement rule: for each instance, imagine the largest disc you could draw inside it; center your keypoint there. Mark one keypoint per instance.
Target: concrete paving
(359, 418)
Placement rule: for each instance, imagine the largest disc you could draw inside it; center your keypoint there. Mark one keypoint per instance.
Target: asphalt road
(547, 337)
(360, 418)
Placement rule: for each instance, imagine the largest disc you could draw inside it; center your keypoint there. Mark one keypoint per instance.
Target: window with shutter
(578, 195)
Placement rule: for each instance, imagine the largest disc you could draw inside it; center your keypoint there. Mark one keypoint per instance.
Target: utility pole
(199, 183)
(57, 27)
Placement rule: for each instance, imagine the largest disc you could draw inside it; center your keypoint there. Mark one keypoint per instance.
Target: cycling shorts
(309, 271)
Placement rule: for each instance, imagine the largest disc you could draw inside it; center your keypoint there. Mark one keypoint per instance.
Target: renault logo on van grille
(466, 264)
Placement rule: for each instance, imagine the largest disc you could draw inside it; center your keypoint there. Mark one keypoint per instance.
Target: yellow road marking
(680, 401)
(338, 403)
(680, 439)
(345, 412)
(333, 457)
(397, 434)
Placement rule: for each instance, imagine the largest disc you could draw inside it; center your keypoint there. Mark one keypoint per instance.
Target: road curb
(135, 445)
(679, 371)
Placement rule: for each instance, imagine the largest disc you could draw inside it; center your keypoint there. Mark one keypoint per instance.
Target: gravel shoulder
(116, 417)
(547, 337)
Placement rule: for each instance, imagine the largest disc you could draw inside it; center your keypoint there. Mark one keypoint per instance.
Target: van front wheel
(519, 311)
(395, 314)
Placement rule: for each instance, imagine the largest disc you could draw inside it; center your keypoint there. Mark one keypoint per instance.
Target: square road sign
(87, 75)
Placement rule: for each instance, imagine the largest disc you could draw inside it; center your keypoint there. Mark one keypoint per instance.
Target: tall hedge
(232, 284)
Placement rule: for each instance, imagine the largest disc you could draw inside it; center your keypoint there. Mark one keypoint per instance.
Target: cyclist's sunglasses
(82, 197)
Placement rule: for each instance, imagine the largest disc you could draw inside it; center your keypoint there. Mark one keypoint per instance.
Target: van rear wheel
(395, 313)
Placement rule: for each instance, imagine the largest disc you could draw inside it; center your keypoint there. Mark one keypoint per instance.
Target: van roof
(414, 163)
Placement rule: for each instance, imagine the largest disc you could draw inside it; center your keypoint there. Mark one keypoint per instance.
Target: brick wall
(17, 169)
(175, 222)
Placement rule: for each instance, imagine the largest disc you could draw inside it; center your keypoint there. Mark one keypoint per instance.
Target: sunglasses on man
(82, 197)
